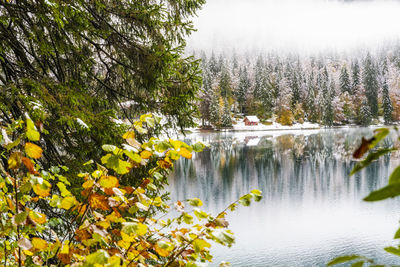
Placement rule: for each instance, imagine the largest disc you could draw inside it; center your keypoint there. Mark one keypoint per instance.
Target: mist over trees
(330, 89)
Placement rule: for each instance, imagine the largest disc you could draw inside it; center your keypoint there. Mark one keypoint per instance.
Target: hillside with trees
(330, 90)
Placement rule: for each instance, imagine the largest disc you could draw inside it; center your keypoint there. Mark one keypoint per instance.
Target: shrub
(105, 220)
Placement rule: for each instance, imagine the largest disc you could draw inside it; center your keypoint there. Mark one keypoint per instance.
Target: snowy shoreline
(240, 127)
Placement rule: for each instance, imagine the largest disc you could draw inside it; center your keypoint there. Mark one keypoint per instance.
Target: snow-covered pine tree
(355, 75)
(244, 84)
(328, 115)
(213, 65)
(344, 78)
(371, 86)
(225, 83)
(258, 83)
(215, 112)
(226, 120)
(365, 116)
(387, 104)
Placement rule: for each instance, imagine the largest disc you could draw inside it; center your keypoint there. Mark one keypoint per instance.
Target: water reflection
(311, 210)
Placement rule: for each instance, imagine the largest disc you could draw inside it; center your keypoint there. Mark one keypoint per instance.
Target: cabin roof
(252, 118)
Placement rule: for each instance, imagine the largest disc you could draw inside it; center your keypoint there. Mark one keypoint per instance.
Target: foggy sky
(295, 25)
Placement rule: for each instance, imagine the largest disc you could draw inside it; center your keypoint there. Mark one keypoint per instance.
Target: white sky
(295, 25)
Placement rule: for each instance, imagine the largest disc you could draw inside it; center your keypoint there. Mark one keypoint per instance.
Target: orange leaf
(97, 201)
(82, 234)
(33, 150)
(88, 184)
(185, 153)
(145, 154)
(29, 165)
(165, 164)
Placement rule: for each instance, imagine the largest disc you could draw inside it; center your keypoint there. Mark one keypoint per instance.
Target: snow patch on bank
(240, 126)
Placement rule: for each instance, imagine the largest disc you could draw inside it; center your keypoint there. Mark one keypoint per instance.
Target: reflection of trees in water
(290, 167)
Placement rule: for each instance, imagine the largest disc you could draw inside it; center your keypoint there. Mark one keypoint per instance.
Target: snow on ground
(240, 126)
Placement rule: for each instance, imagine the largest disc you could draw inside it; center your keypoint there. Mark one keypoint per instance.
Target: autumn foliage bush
(106, 220)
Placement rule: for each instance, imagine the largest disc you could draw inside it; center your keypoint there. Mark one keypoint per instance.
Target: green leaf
(162, 146)
(150, 122)
(245, 200)
(133, 156)
(31, 132)
(195, 202)
(25, 188)
(63, 189)
(108, 148)
(393, 250)
(198, 147)
(371, 157)
(135, 228)
(380, 134)
(224, 236)
(389, 191)
(200, 244)
(395, 176)
(397, 235)
(256, 195)
(99, 257)
(187, 218)
(200, 214)
(20, 217)
(358, 264)
(343, 259)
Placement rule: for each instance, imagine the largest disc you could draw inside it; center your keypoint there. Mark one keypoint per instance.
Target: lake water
(311, 210)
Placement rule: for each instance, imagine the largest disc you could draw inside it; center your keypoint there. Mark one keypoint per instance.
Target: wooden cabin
(251, 120)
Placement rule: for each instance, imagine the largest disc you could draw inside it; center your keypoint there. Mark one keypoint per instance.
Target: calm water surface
(311, 211)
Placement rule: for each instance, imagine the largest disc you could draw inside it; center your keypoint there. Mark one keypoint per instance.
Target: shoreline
(274, 129)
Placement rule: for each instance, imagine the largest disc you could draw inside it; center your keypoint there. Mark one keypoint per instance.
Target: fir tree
(387, 104)
(328, 114)
(213, 65)
(365, 116)
(215, 113)
(345, 85)
(244, 85)
(258, 84)
(355, 77)
(226, 120)
(370, 83)
(225, 84)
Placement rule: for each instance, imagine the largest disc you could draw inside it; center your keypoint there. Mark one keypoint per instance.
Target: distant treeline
(325, 90)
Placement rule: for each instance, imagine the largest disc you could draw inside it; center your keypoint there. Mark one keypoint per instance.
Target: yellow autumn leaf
(37, 217)
(39, 243)
(124, 244)
(145, 154)
(43, 189)
(185, 153)
(33, 150)
(128, 237)
(68, 202)
(108, 181)
(129, 135)
(162, 252)
(15, 160)
(104, 224)
(28, 252)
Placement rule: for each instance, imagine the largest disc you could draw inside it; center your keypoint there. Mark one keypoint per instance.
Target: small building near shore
(251, 120)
